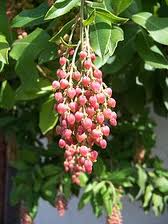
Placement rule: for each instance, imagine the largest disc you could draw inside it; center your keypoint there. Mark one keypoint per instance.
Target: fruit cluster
(61, 204)
(115, 218)
(85, 105)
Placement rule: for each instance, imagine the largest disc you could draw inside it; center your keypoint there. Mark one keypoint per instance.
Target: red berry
(82, 55)
(62, 61)
(87, 64)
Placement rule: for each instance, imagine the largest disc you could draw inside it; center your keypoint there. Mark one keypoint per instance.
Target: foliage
(130, 39)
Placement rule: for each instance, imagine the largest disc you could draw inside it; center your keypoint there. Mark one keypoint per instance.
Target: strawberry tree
(63, 66)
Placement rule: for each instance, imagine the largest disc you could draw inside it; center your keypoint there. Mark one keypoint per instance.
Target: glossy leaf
(31, 17)
(142, 178)
(162, 184)
(48, 117)
(25, 52)
(120, 5)
(7, 95)
(100, 36)
(149, 52)
(109, 16)
(157, 27)
(4, 48)
(124, 52)
(60, 8)
(115, 37)
(148, 195)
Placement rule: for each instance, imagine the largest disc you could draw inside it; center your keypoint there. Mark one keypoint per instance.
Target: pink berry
(84, 150)
(93, 100)
(61, 108)
(58, 97)
(93, 156)
(111, 102)
(64, 83)
(78, 91)
(93, 57)
(61, 143)
(82, 100)
(113, 115)
(96, 134)
(73, 106)
(71, 51)
(67, 134)
(55, 85)
(78, 116)
(61, 74)
(100, 98)
(87, 64)
(107, 113)
(62, 61)
(90, 111)
(71, 119)
(97, 74)
(109, 91)
(76, 76)
(103, 143)
(86, 81)
(88, 166)
(87, 123)
(105, 130)
(100, 118)
(71, 93)
(83, 55)
(113, 122)
(95, 86)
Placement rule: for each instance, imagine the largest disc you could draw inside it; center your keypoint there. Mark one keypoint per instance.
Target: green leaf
(124, 52)
(63, 30)
(4, 48)
(83, 179)
(115, 37)
(48, 117)
(100, 36)
(60, 8)
(43, 87)
(149, 52)
(99, 168)
(142, 178)
(50, 170)
(85, 199)
(25, 52)
(109, 16)
(31, 17)
(162, 184)
(148, 195)
(158, 205)
(166, 2)
(7, 96)
(108, 201)
(4, 22)
(157, 27)
(67, 187)
(90, 19)
(120, 5)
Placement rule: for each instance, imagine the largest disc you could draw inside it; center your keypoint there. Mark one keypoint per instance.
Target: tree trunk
(8, 214)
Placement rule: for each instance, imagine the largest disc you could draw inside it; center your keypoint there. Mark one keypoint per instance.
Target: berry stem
(81, 22)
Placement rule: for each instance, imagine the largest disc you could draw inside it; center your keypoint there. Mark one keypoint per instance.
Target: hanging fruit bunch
(85, 106)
